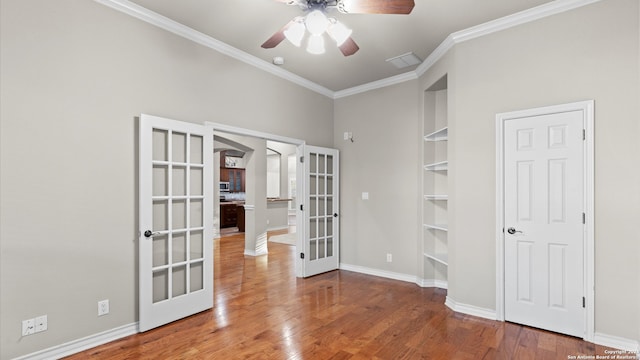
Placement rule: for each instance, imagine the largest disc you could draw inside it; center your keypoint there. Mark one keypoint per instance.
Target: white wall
(73, 77)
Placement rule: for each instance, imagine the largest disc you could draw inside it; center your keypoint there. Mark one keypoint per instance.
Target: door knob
(150, 233)
(512, 231)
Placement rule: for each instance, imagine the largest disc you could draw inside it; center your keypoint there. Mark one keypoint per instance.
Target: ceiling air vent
(404, 60)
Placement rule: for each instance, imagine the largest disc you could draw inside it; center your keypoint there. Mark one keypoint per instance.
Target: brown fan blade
(276, 38)
(378, 6)
(349, 47)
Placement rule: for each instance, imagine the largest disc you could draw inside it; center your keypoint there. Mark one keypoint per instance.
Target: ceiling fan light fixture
(316, 22)
(315, 45)
(338, 32)
(295, 33)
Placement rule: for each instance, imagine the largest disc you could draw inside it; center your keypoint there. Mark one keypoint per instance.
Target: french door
(176, 220)
(544, 221)
(320, 211)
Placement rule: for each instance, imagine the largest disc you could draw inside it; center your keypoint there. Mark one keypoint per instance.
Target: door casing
(587, 109)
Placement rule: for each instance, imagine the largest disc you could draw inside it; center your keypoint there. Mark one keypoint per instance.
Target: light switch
(365, 196)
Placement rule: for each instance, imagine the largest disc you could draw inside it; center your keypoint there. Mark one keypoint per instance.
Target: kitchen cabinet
(228, 215)
(235, 177)
(232, 215)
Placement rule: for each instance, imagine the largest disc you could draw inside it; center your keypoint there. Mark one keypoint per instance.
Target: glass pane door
(176, 193)
(321, 213)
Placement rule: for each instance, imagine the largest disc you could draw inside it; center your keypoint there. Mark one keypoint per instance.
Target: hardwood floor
(262, 311)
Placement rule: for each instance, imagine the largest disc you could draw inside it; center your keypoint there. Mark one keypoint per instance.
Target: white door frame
(587, 108)
(300, 180)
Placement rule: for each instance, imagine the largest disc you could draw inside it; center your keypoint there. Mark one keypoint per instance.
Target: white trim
(82, 344)
(587, 107)
(276, 228)
(186, 32)
(440, 284)
(470, 309)
(393, 80)
(616, 342)
(523, 17)
(253, 133)
(379, 273)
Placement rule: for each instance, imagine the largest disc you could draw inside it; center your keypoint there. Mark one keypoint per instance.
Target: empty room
(457, 179)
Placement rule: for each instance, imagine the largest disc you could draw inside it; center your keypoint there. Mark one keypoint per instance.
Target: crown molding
(411, 75)
(523, 17)
(186, 32)
(503, 23)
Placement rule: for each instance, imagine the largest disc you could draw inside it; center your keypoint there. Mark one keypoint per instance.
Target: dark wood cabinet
(228, 215)
(235, 177)
(224, 175)
(232, 215)
(240, 212)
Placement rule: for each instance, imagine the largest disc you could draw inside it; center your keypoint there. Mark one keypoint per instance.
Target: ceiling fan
(317, 23)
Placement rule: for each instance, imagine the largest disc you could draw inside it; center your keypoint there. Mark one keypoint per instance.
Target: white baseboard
(76, 346)
(441, 284)
(470, 309)
(276, 228)
(379, 273)
(617, 343)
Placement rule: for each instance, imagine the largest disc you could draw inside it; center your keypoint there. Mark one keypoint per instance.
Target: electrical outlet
(41, 323)
(389, 258)
(103, 307)
(28, 327)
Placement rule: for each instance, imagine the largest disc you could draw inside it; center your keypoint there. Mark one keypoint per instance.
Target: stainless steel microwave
(224, 186)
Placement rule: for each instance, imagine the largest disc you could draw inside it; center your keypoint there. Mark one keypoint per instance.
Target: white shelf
(436, 197)
(439, 135)
(441, 227)
(441, 258)
(439, 166)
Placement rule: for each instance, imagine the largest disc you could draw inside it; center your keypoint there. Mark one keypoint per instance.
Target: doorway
(317, 214)
(544, 208)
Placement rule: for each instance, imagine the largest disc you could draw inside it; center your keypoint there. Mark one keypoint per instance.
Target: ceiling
(246, 24)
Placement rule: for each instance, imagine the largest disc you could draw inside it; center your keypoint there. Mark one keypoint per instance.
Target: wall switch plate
(28, 327)
(103, 307)
(365, 196)
(41, 323)
(389, 258)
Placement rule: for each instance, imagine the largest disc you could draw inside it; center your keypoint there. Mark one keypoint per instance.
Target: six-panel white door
(543, 219)
(176, 220)
(321, 236)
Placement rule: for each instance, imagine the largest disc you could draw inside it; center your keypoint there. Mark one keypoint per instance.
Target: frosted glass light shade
(294, 33)
(339, 32)
(316, 22)
(315, 45)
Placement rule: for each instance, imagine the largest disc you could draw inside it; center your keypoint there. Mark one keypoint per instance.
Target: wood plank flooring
(262, 311)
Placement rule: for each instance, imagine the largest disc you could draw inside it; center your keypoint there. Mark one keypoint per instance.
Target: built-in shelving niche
(435, 191)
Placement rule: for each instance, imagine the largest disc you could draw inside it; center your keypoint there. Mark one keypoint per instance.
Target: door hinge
(584, 218)
(301, 255)
(584, 134)
(301, 159)
(584, 302)
(301, 207)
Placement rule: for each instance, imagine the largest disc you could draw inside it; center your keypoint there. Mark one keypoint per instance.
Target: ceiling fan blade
(276, 38)
(378, 6)
(349, 47)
